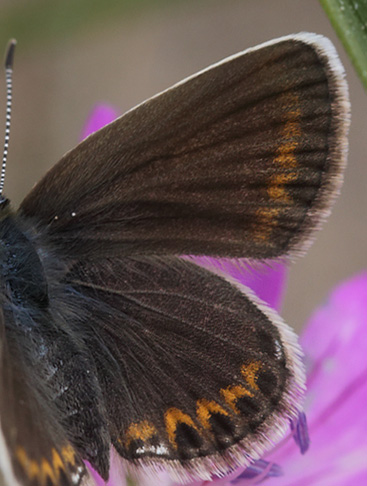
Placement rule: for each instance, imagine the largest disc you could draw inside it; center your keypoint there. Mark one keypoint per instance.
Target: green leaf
(349, 19)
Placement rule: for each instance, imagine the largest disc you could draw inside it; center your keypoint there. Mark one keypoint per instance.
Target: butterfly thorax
(22, 273)
(53, 372)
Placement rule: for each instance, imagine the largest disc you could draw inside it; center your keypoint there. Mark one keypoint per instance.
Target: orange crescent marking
(285, 159)
(285, 156)
(277, 190)
(250, 373)
(143, 430)
(44, 470)
(204, 410)
(57, 462)
(172, 418)
(266, 222)
(232, 393)
(30, 466)
(291, 133)
(68, 454)
(47, 472)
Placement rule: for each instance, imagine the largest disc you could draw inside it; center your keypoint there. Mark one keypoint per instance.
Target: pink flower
(100, 116)
(335, 345)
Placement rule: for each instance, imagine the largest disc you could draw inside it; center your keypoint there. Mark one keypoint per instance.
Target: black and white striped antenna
(9, 60)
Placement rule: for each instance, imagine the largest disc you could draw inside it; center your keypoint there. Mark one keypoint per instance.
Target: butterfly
(109, 339)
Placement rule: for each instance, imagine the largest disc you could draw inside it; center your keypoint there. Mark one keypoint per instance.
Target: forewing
(197, 376)
(34, 448)
(241, 160)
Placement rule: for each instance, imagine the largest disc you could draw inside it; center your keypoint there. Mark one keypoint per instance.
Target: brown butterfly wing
(242, 159)
(196, 374)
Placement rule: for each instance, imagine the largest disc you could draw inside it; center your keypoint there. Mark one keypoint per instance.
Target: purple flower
(335, 345)
(100, 116)
(266, 280)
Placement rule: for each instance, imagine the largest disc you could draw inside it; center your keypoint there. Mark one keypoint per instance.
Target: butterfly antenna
(9, 60)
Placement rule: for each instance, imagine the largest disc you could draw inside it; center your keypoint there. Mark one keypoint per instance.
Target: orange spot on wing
(205, 409)
(291, 134)
(172, 418)
(57, 461)
(232, 393)
(250, 373)
(30, 467)
(68, 454)
(277, 190)
(286, 159)
(143, 430)
(292, 130)
(47, 472)
(41, 471)
(266, 221)
(284, 165)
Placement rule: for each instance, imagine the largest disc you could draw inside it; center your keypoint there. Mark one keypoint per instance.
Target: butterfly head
(4, 205)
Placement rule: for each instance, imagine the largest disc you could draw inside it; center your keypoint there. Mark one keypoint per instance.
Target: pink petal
(268, 281)
(162, 479)
(100, 116)
(335, 343)
(117, 473)
(98, 481)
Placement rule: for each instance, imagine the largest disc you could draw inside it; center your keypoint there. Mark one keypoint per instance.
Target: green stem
(349, 19)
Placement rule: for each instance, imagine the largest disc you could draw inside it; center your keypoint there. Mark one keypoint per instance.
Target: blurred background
(73, 54)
